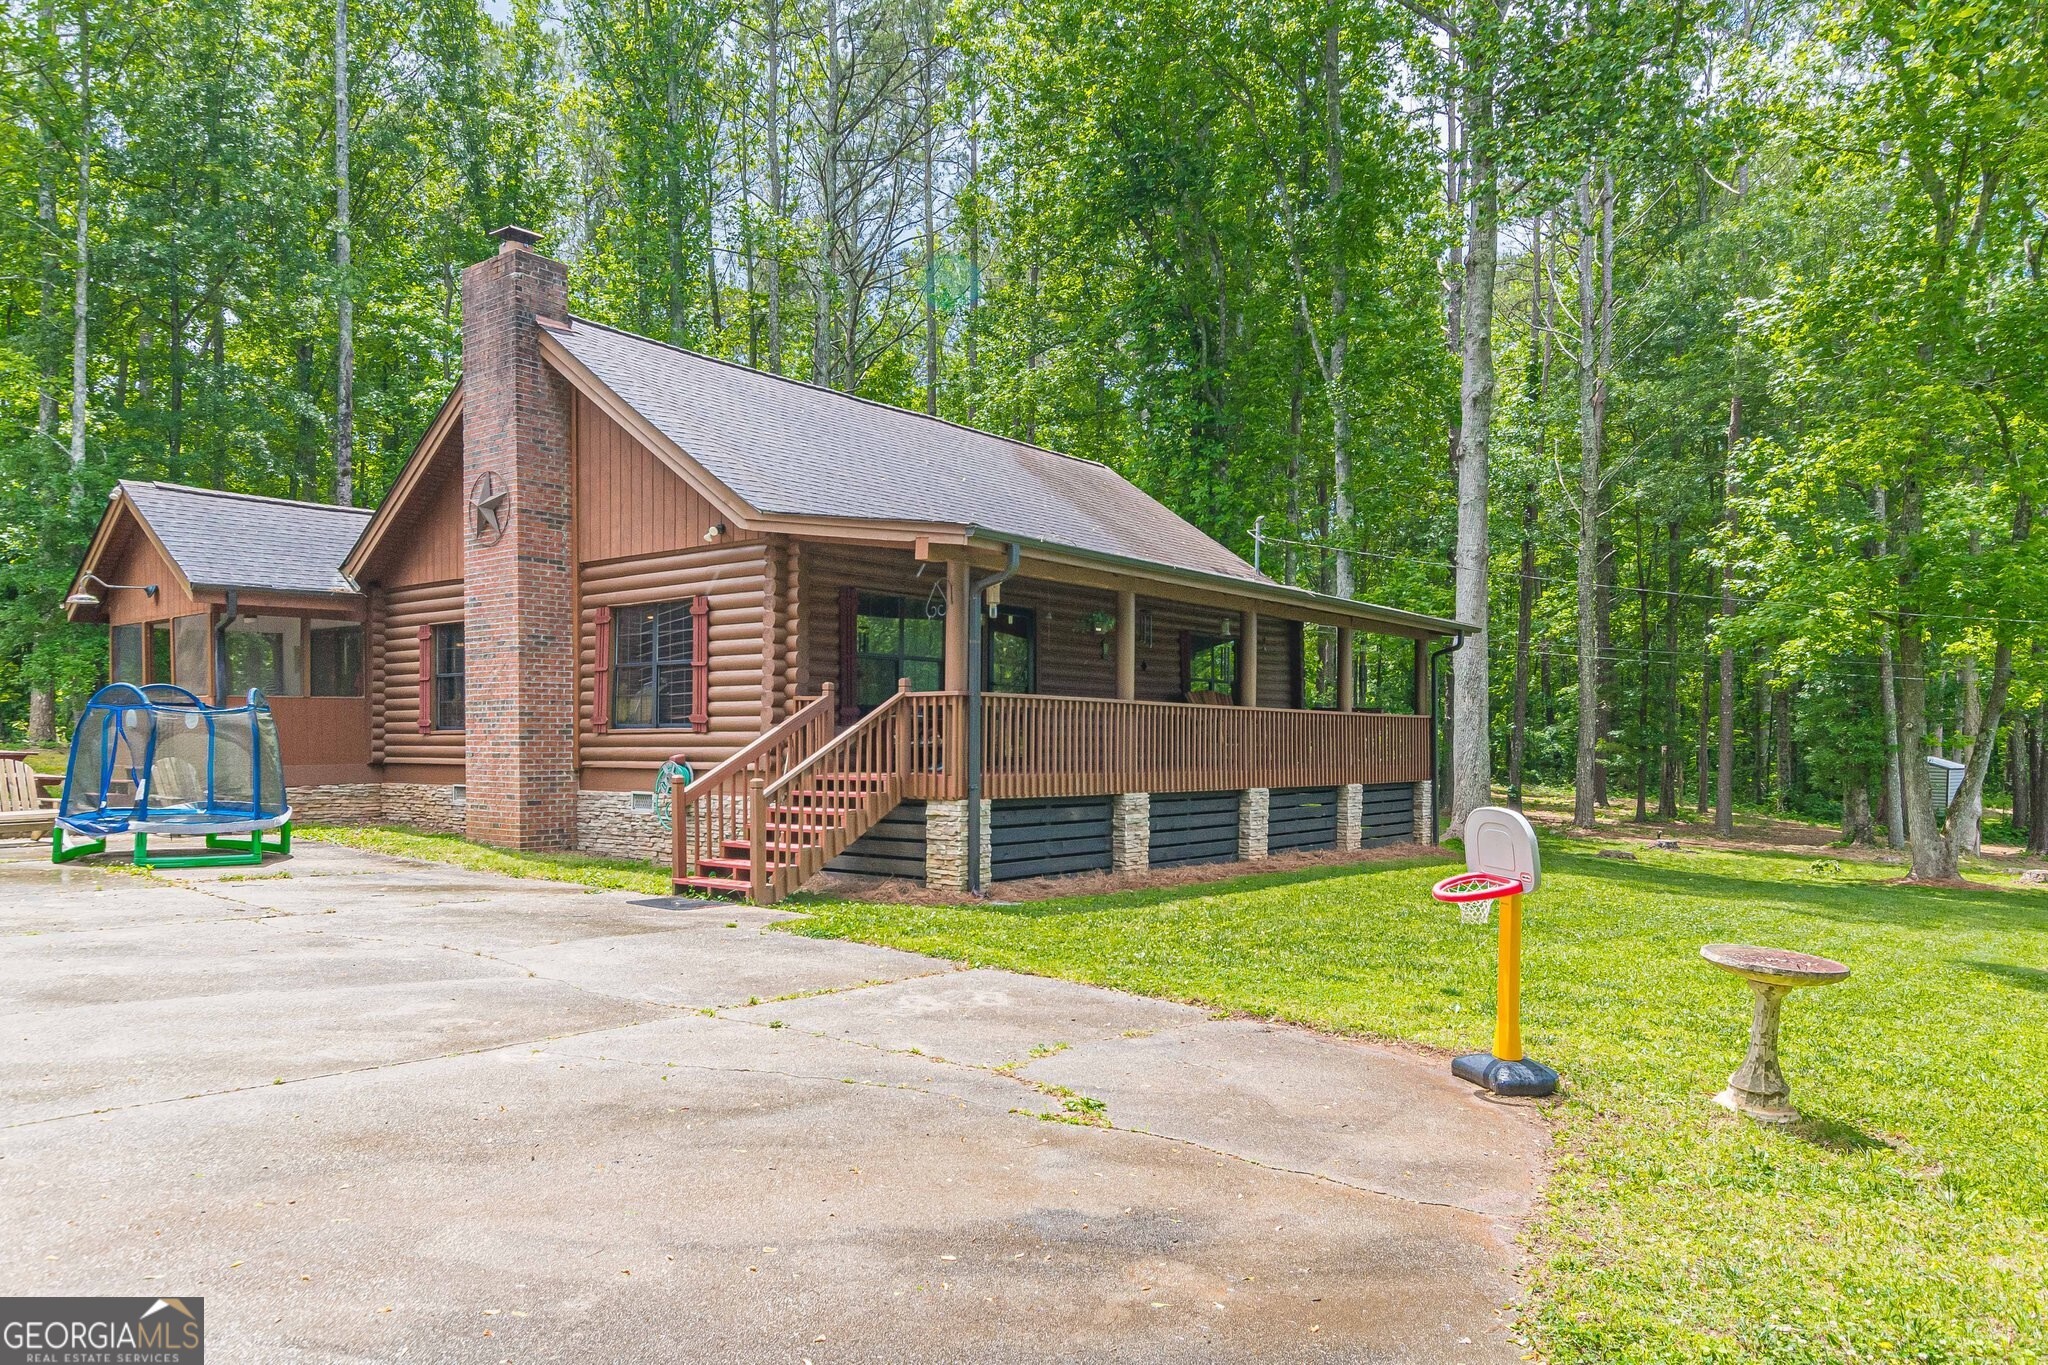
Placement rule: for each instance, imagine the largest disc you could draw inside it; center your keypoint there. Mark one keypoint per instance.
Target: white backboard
(1502, 842)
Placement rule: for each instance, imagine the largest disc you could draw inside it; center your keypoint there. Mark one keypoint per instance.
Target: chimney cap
(512, 237)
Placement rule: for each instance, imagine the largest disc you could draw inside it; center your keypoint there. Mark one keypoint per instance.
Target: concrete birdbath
(1758, 1087)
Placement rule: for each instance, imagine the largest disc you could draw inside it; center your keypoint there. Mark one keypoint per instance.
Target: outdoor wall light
(86, 599)
(714, 530)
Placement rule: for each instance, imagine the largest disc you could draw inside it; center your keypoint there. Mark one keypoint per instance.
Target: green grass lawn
(1907, 1219)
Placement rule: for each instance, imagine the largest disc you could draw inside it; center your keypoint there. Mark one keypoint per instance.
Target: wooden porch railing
(799, 796)
(1036, 746)
(713, 809)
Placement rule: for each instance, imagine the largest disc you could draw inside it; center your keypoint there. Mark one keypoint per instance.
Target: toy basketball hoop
(1501, 864)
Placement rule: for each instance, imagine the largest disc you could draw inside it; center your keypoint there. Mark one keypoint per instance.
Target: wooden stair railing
(812, 813)
(711, 813)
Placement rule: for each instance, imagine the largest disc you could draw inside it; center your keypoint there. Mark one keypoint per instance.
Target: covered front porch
(1103, 694)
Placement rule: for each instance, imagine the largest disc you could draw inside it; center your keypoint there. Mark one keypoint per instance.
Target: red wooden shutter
(700, 663)
(426, 679)
(849, 655)
(601, 679)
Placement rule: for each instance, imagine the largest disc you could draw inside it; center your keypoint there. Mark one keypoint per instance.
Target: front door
(1010, 651)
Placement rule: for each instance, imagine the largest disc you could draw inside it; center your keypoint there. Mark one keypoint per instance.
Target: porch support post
(1130, 831)
(1347, 669)
(1126, 645)
(1350, 817)
(1248, 660)
(1254, 823)
(956, 624)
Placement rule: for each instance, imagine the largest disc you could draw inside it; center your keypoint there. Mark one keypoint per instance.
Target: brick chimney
(519, 605)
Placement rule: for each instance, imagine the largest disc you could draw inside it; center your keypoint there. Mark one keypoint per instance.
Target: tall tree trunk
(1595, 237)
(47, 160)
(2037, 781)
(1781, 729)
(931, 236)
(2016, 771)
(1667, 783)
(1888, 704)
(1701, 800)
(773, 27)
(1525, 613)
(1856, 827)
(82, 252)
(344, 303)
(1471, 744)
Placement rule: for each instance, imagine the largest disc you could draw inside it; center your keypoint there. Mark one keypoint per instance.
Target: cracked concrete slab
(506, 1128)
(982, 1017)
(1372, 1117)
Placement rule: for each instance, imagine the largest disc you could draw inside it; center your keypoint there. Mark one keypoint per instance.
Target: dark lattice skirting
(1302, 818)
(1040, 838)
(1389, 814)
(893, 848)
(1194, 827)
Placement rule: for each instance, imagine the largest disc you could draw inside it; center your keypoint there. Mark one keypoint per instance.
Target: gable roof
(787, 448)
(238, 540)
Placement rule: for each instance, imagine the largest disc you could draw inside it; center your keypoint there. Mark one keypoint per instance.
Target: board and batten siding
(629, 502)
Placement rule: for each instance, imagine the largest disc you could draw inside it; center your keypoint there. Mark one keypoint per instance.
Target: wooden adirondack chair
(23, 814)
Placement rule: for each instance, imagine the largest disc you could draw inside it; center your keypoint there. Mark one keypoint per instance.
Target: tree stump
(1758, 1087)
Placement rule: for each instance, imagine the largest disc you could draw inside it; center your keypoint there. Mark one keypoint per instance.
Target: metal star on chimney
(487, 506)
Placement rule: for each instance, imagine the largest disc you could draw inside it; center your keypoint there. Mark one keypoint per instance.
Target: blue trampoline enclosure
(154, 759)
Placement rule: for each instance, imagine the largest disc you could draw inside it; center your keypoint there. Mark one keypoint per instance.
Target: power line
(1626, 590)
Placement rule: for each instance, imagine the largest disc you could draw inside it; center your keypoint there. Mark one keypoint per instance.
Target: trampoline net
(157, 758)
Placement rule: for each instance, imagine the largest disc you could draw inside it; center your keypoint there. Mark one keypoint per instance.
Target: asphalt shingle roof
(238, 540)
(795, 449)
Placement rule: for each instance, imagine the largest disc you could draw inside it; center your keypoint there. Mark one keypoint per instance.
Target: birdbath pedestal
(1758, 1087)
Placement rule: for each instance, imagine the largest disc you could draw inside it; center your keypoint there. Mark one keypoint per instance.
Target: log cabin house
(606, 552)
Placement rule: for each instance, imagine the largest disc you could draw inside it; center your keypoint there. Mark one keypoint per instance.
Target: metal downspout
(220, 651)
(976, 596)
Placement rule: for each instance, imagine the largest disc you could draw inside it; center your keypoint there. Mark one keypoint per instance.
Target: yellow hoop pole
(1507, 1018)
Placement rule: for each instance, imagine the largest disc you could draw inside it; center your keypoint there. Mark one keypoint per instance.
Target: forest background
(1695, 351)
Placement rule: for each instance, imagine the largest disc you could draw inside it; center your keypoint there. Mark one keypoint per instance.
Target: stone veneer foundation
(437, 809)
(1130, 832)
(607, 825)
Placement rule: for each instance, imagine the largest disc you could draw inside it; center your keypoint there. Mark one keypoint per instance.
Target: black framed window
(1212, 665)
(652, 654)
(1010, 651)
(449, 677)
(335, 660)
(896, 637)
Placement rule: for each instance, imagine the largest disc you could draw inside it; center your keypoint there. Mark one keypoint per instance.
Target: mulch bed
(902, 891)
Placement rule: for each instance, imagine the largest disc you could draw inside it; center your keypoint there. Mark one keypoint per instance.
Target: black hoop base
(1520, 1079)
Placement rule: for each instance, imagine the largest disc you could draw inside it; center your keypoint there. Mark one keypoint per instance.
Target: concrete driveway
(374, 1110)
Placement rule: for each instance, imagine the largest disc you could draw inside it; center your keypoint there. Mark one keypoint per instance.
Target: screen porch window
(189, 651)
(896, 637)
(266, 652)
(124, 649)
(653, 666)
(160, 651)
(1211, 668)
(448, 676)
